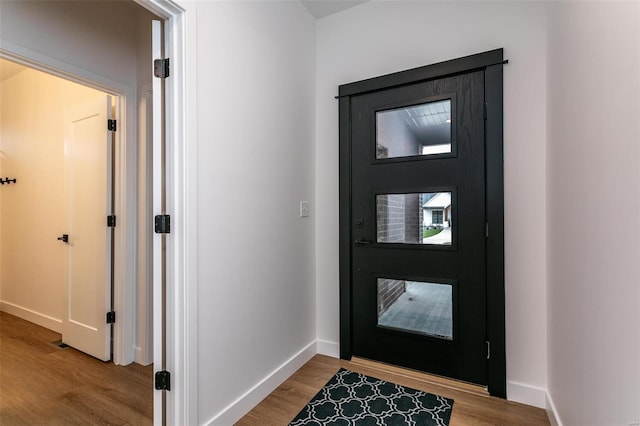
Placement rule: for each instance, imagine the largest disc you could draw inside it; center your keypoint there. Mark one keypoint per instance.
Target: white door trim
(144, 304)
(181, 174)
(125, 188)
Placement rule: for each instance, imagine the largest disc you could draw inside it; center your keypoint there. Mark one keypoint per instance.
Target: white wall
(255, 70)
(594, 167)
(34, 210)
(382, 37)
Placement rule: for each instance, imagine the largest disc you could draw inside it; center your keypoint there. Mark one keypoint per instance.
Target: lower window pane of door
(416, 307)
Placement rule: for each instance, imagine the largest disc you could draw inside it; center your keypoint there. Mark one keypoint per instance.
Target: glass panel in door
(416, 307)
(416, 130)
(419, 218)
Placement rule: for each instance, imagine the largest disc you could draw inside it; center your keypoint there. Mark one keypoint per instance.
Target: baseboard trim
(526, 394)
(328, 348)
(241, 406)
(53, 324)
(141, 356)
(552, 413)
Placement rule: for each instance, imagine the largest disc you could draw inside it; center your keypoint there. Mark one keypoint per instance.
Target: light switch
(304, 209)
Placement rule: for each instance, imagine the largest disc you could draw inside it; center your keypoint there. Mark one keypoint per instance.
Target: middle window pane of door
(418, 218)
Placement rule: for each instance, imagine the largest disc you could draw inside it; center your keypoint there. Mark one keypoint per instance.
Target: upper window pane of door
(418, 130)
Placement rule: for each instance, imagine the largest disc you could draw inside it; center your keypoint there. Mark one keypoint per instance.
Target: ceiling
(317, 8)
(321, 8)
(9, 69)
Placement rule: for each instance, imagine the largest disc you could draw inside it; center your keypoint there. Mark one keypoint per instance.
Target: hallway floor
(472, 406)
(43, 384)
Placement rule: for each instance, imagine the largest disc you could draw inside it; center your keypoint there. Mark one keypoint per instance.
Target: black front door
(418, 226)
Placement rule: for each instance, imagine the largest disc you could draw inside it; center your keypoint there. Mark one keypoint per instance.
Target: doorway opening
(97, 61)
(55, 136)
(60, 139)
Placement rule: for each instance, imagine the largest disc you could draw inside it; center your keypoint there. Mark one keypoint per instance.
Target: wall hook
(7, 181)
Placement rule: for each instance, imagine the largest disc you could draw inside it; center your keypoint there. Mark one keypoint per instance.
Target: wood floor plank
(42, 384)
(472, 406)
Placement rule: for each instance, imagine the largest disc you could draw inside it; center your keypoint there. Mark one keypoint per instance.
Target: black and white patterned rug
(354, 399)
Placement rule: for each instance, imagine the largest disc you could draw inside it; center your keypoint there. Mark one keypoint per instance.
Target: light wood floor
(41, 384)
(472, 406)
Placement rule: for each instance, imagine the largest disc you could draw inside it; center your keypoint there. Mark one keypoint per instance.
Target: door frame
(181, 312)
(492, 63)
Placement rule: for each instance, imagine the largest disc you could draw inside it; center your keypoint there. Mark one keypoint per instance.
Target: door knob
(64, 238)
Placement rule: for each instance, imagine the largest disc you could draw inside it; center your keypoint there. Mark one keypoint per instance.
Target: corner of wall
(552, 413)
(325, 347)
(526, 394)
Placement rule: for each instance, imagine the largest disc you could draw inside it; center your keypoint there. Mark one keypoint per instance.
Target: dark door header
(428, 72)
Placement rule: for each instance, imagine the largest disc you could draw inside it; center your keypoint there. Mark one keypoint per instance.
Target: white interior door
(89, 167)
(159, 240)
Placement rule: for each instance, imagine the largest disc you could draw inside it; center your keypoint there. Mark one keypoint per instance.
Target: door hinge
(488, 349)
(485, 111)
(111, 221)
(163, 224)
(163, 380)
(111, 317)
(161, 68)
(111, 125)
